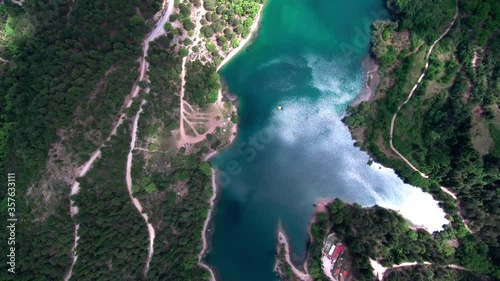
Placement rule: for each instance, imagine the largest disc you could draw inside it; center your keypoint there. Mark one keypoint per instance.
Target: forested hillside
(65, 70)
(58, 53)
(449, 128)
(385, 236)
(68, 70)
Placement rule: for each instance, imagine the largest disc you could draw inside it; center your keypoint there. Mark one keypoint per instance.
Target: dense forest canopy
(385, 236)
(58, 53)
(423, 16)
(53, 57)
(66, 67)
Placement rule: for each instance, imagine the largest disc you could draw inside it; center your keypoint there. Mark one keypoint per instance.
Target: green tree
(205, 168)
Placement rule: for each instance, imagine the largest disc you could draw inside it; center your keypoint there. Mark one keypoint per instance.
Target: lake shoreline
(236, 73)
(253, 31)
(205, 238)
(371, 80)
(283, 241)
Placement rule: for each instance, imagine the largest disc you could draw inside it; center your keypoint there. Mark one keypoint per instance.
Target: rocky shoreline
(371, 80)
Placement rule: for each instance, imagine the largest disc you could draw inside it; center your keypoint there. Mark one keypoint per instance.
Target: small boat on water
(280, 107)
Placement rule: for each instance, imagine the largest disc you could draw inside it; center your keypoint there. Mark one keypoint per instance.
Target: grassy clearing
(416, 68)
(481, 132)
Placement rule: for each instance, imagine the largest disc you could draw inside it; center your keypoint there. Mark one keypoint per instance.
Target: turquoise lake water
(307, 57)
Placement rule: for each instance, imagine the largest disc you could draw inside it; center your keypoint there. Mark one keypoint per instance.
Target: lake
(307, 58)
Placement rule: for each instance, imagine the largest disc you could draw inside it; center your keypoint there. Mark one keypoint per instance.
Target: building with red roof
(336, 253)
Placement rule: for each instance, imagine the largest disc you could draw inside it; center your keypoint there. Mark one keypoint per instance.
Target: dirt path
(182, 132)
(379, 270)
(157, 32)
(447, 191)
(135, 201)
(282, 239)
(475, 58)
(208, 156)
(183, 113)
(18, 2)
(204, 230)
(75, 188)
(327, 267)
(2, 60)
(191, 125)
(416, 49)
(454, 196)
(73, 210)
(393, 121)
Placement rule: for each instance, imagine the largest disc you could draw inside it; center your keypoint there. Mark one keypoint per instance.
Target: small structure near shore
(336, 265)
(335, 252)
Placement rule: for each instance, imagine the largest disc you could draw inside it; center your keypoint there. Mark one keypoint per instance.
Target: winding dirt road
(75, 188)
(4, 60)
(475, 58)
(393, 121)
(135, 201)
(449, 192)
(157, 32)
(379, 270)
(413, 91)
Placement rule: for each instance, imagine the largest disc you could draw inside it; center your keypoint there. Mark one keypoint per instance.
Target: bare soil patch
(481, 137)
